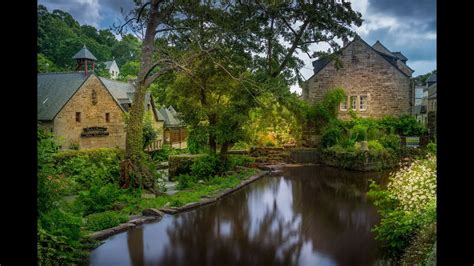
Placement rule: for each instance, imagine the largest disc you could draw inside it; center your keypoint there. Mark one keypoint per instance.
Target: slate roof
(400, 56)
(108, 64)
(84, 53)
(320, 64)
(54, 90)
(432, 78)
(378, 47)
(171, 120)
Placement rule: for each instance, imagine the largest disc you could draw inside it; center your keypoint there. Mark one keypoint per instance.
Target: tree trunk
(224, 151)
(133, 168)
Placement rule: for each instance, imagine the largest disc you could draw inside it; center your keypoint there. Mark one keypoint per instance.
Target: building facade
(377, 82)
(86, 111)
(175, 133)
(112, 68)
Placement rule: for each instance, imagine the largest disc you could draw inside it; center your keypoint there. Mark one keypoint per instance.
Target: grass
(195, 193)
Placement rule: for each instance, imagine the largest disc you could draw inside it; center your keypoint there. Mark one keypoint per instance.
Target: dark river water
(306, 215)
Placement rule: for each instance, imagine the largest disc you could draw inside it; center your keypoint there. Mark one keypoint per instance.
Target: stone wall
(92, 115)
(364, 72)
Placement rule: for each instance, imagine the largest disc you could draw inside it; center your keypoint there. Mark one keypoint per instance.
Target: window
(343, 105)
(353, 102)
(78, 116)
(107, 117)
(363, 103)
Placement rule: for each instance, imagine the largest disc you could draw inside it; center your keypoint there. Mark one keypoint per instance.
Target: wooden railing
(155, 145)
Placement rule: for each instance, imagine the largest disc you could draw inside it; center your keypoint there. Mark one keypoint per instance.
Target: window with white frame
(363, 103)
(343, 106)
(353, 101)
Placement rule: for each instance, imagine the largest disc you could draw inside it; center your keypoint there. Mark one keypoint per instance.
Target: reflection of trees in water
(335, 215)
(195, 237)
(135, 245)
(327, 208)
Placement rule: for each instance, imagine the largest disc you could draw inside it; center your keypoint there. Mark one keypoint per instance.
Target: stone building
(175, 132)
(86, 111)
(112, 68)
(377, 81)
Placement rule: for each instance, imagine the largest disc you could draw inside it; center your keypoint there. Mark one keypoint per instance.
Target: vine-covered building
(377, 81)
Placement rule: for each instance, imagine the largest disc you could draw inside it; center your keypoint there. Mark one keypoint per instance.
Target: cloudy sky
(408, 26)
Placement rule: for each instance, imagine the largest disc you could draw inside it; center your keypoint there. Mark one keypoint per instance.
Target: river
(305, 215)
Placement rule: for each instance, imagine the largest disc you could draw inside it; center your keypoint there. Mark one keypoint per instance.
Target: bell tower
(83, 58)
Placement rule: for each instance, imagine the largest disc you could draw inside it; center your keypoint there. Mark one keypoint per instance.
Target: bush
(391, 142)
(358, 133)
(98, 198)
(332, 135)
(207, 166)
(240, 160)
(185, 181)
(375, 145)
(408, 204)
(90, 168)
(431, 148)
(104, 220)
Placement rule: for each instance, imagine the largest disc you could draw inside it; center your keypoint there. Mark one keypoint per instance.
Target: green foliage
(358, 132)
(185, 181)
(165, 151)
(47, 147)
(208, 166)
(375, 145)
(431, 147)
(390, 141)
(88, 168)
(406, 205)
(404, 125)
(326, 110)
(45, 65)
(149, 133)
(60, 36)
(197, 140)
(240, 160)
(98, 198)
(104, 220)
(332, 135)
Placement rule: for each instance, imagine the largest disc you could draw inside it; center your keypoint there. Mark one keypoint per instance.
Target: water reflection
(306, 216)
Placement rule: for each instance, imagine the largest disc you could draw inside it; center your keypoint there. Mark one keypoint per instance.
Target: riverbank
(200, 195)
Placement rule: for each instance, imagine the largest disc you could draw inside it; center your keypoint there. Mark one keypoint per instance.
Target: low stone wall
(364, 163)
(305, 155)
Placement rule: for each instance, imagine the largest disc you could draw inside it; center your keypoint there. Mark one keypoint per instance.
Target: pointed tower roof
(84, 53)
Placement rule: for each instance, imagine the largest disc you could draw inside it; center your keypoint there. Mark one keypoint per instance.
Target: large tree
(242, 50)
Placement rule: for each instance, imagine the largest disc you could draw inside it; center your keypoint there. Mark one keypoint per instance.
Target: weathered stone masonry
(92, 115)
(364, 72)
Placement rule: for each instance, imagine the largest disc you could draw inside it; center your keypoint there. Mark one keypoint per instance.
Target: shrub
(207, 166)
(431, 148)
(408, 203)
(390, 141)
(185, 181)
(104, 220)
(240, 160)
(375, 145)
(359, 133)
(60, 223)
(332, 135)
(89, 167)
(98, 198)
